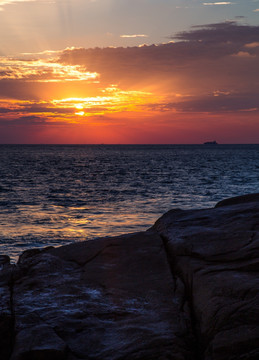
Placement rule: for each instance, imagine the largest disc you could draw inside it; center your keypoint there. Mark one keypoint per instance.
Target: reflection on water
(52, 195)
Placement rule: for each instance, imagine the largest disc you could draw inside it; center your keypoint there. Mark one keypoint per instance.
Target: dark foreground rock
(185, 289)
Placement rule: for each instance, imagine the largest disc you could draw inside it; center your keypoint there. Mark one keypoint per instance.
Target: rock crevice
(188, 301)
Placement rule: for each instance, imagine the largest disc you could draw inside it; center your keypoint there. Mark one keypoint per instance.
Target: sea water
(55, 194)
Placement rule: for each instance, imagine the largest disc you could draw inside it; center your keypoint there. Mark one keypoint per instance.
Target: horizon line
(122, 144)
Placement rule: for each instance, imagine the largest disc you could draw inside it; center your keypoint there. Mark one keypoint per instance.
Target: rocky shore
(185, 289)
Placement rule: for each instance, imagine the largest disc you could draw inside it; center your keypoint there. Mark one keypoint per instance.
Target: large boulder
(215, 253)
(114, 298)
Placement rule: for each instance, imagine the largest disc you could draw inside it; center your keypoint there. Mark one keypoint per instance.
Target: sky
(129, 71)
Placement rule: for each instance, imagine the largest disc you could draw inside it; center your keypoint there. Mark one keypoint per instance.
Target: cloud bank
(204, 78)
(217, 58)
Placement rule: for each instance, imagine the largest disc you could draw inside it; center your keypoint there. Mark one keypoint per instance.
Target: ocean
(52, 195)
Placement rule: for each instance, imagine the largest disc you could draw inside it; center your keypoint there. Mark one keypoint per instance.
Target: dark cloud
(31, 119)
(23, 120)
(220, 57)
(47, 109)
(6, 73)
(18, 89)
(211, 103)
(222, 103)
(228, 31)
(5, 110)
(207, 42)
(37, 109)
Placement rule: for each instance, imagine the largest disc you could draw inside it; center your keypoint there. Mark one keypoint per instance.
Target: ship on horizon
(210, 143)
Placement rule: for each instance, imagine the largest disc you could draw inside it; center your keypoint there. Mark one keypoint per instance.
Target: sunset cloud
(203, 60)
(134, 36)
(8, 2)
(110, 101)
(219, 3)
(252, 45)
(207, 73)
(205, 52)
(206, 58)
(42, 71)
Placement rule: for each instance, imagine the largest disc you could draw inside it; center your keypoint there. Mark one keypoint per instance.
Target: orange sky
(204, 86)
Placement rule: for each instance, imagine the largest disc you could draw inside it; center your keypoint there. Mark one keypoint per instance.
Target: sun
(79, 106)
(80, 113)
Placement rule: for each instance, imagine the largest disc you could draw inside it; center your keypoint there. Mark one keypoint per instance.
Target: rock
(38, 342)
(186, 289)
(215, 254)
(113, 298)
(239, 200)
(6, 316)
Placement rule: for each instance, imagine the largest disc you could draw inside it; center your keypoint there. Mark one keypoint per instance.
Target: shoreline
(183, 289)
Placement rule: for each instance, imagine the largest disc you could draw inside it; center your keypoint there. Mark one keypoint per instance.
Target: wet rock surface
(185, 289)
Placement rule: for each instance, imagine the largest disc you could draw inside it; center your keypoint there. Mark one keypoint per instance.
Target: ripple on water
(52, 195)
